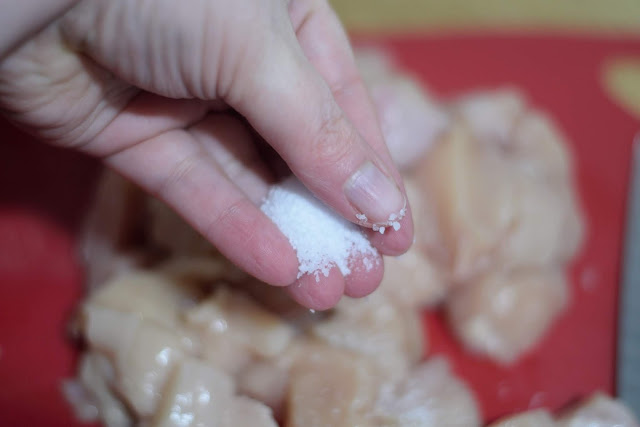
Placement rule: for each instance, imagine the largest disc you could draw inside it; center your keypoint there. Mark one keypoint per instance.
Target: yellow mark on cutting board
(621, 80)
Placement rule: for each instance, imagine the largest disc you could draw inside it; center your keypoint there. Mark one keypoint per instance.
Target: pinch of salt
(321, 238)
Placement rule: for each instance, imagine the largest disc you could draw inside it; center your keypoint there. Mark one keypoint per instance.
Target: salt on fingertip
(321, 238)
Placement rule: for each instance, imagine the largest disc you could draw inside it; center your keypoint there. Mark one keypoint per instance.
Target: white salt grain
(321, 238)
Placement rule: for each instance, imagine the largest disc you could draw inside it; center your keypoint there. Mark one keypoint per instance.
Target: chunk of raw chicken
(95, 376)
(599, 410)
(199, 395)
(491, 115)
(411, 121)
(234, 328)
(331, 387)
(430, 396)
(499, 206)
(535, 418)
(495, 209)
(144, 368)
(151, 296)
(267, 381)
(505, 313)
(389, 335)
(412, 279)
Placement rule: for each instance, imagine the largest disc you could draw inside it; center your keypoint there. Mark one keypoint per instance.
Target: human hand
(155, 88)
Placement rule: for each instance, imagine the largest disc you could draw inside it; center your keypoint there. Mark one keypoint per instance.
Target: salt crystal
(321, 238)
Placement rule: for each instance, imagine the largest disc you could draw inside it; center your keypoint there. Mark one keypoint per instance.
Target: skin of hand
(173, 96)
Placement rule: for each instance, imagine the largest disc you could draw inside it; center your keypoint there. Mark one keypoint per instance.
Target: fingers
(145, 117)
(364, 278)
(313, 134)
(227, 140)
(174, 167)
(326, 45)
(323, 292)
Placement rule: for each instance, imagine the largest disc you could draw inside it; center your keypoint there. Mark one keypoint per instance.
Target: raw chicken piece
(465, 186)
(109, 331)
(598, 411)
(330, 387)
(234, 329)
(389, 335)
(491, 115)
(267, 381)
(135, 321)
(505, 314)
(143, 370)
(506, 205)
(95, 375)
(409, 118)
(412, 279)
(199, 395)
(535, 418)
(551, 226)
(149, 295)
(499, 206)
(429, 397)
(260, 331)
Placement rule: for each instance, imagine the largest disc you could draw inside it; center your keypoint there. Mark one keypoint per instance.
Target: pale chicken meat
(496, 208)
(535, 418)
(491, 114)
(331, 387)
(199, 395)
(504, 314)
(387, 334)
(410, 118)
(95, 376)
(599, 410)
(502, 221)
(234, 329)
(430, 396)
(149, 295)
(412, 279)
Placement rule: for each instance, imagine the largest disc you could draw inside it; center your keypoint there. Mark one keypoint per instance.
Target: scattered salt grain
(321, 238)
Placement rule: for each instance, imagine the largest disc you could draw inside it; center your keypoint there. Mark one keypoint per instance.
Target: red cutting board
(44, 193)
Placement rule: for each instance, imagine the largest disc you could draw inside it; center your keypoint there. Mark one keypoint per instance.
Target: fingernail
(374, 194)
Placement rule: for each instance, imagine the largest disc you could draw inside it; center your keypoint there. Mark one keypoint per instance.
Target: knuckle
(229, 219)
(177, 176)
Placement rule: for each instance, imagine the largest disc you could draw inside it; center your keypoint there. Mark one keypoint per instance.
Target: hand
(156, 89)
